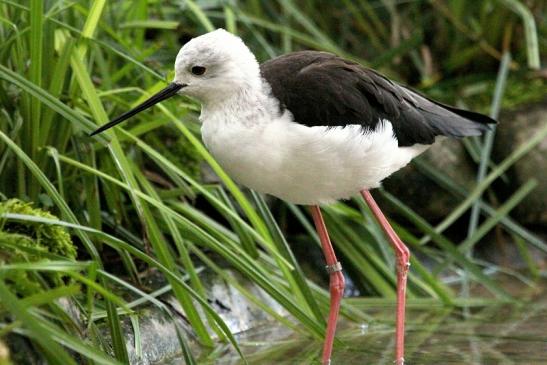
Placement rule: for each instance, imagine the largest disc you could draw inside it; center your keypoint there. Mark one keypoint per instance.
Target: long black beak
(169, 91)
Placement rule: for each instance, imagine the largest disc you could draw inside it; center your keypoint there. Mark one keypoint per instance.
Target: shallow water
(489, 335)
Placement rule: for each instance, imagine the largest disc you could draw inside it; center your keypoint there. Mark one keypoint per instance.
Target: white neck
(250, 104)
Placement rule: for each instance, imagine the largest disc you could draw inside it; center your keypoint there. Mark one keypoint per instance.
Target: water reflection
(497, 334)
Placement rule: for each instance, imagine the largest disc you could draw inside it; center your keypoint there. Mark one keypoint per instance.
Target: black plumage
(322, 89)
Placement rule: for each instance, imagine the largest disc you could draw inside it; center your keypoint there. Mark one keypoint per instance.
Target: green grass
(67, 67)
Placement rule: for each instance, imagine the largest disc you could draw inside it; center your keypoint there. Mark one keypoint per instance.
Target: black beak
(166, 93)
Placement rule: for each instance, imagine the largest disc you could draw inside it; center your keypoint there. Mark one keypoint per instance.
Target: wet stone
(236, 310)
(159, 339)
(158, 332)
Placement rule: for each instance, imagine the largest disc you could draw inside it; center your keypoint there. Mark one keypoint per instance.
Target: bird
(311, 128)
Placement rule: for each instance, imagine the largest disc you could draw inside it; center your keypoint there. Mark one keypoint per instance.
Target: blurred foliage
(170, 144)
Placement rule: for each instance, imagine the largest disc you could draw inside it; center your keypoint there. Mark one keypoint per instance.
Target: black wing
(321, 89)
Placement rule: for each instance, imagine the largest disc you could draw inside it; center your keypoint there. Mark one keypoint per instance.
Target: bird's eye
(198, 70)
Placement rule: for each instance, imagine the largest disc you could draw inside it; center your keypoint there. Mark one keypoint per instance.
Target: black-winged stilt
(310, 128)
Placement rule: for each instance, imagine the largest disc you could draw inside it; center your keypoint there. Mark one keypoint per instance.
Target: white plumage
(304, 165)
(264, 149)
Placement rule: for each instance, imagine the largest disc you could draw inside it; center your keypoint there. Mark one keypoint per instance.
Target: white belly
(306, 165)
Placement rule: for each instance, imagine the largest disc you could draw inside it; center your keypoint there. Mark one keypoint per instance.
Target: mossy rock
(515, 129)
(26, 241)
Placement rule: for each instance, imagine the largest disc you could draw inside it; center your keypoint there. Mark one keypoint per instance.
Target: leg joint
(403, 267)
(403, 261)
(402, 253)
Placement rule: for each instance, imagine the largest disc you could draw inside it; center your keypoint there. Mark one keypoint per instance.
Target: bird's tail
(454, 122)
(479, 118)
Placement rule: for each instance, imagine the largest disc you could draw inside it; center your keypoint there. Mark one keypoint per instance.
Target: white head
(211, 68)
(215, 65)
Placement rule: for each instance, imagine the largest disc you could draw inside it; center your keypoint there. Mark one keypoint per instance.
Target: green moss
(519, 91)
(37, 237)
(522, 91)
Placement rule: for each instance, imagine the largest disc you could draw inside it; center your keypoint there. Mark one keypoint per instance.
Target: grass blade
(530, 32)
(489, 138)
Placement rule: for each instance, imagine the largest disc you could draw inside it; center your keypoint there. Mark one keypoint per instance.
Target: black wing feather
(321, 89)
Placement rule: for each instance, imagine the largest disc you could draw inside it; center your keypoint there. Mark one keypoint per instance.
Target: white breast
(306, 165)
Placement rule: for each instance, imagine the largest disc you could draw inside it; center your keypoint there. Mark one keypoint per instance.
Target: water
(495, 334)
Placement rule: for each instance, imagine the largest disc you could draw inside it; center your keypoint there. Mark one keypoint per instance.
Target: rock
(237, 311)
(159, 339)
(420, 192)
(516, 128)
(158, 333)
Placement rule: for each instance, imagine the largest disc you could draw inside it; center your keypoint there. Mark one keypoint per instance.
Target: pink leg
(336, 282)
(403, 262)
